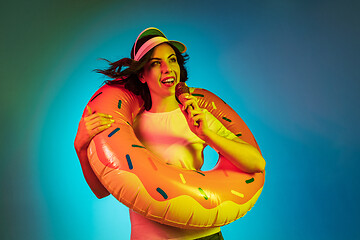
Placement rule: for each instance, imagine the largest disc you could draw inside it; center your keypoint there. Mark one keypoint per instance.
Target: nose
(165, 67)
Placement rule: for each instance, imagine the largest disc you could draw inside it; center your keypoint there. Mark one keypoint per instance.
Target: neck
(163, 104)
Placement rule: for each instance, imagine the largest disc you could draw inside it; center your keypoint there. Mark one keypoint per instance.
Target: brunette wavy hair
(125, 72)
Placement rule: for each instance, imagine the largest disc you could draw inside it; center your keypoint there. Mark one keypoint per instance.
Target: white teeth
(168, 80)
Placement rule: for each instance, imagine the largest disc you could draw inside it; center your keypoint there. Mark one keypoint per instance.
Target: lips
(168, 81)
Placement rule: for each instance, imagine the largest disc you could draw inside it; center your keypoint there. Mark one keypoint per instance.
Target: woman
(176, 133)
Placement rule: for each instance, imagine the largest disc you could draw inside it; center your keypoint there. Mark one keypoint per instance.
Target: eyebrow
(173, 54)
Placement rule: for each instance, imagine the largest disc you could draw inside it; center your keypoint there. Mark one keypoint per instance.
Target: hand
(195, 117)
(188, 102)
(90, 125)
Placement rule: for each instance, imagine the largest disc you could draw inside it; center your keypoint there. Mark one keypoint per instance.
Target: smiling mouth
(168, 82)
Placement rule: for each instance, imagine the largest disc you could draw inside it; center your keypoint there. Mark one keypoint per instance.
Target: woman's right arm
(90, 125)
(240, 153)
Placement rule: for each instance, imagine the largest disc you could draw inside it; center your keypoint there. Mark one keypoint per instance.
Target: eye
(173, 60)
(155, 63)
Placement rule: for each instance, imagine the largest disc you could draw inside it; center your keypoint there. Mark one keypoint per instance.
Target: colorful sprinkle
(237, 193)
(96, 96)
(239, 134)
(182, 178)
(128, 159)
(153, 164)
(213, 104)
(199, 172)
(249, 180)
(162, 193)
(113, 132)
(197, 95)
(119, 104)
(226, 119)
(203, 194)
(182, 164)
(138, 146)
(119, 113)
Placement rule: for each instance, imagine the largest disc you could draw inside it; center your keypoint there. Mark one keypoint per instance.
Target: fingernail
(110, 116)
(112, 120)
(109, 125)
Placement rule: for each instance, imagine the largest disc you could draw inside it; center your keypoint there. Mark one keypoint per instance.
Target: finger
(188, 96)
(101, 128)
(191, 97)
(89, 112)
(198, 117)
(196, 111)
(93, 129)
(96, 115)
(183, 111)
(95, 125)
(104, 115)
(192, 103)
(188, 113)
(193, 112)
(188, 104)
(92, 119)
(98, 122)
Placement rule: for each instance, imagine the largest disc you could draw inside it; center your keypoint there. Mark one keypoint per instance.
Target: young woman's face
(162, 72)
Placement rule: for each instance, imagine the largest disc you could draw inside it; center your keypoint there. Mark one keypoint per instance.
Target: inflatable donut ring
(165, 193)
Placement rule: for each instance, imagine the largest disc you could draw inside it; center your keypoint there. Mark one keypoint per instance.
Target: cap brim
(155, 41)
(151, 31)
(180, 46)
(158, 38)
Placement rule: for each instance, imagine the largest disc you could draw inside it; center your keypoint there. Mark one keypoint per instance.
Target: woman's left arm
(243, 155)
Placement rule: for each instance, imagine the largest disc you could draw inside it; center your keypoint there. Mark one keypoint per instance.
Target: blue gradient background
(289, 68)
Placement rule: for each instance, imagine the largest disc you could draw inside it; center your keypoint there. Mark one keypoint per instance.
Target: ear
(141, 77)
